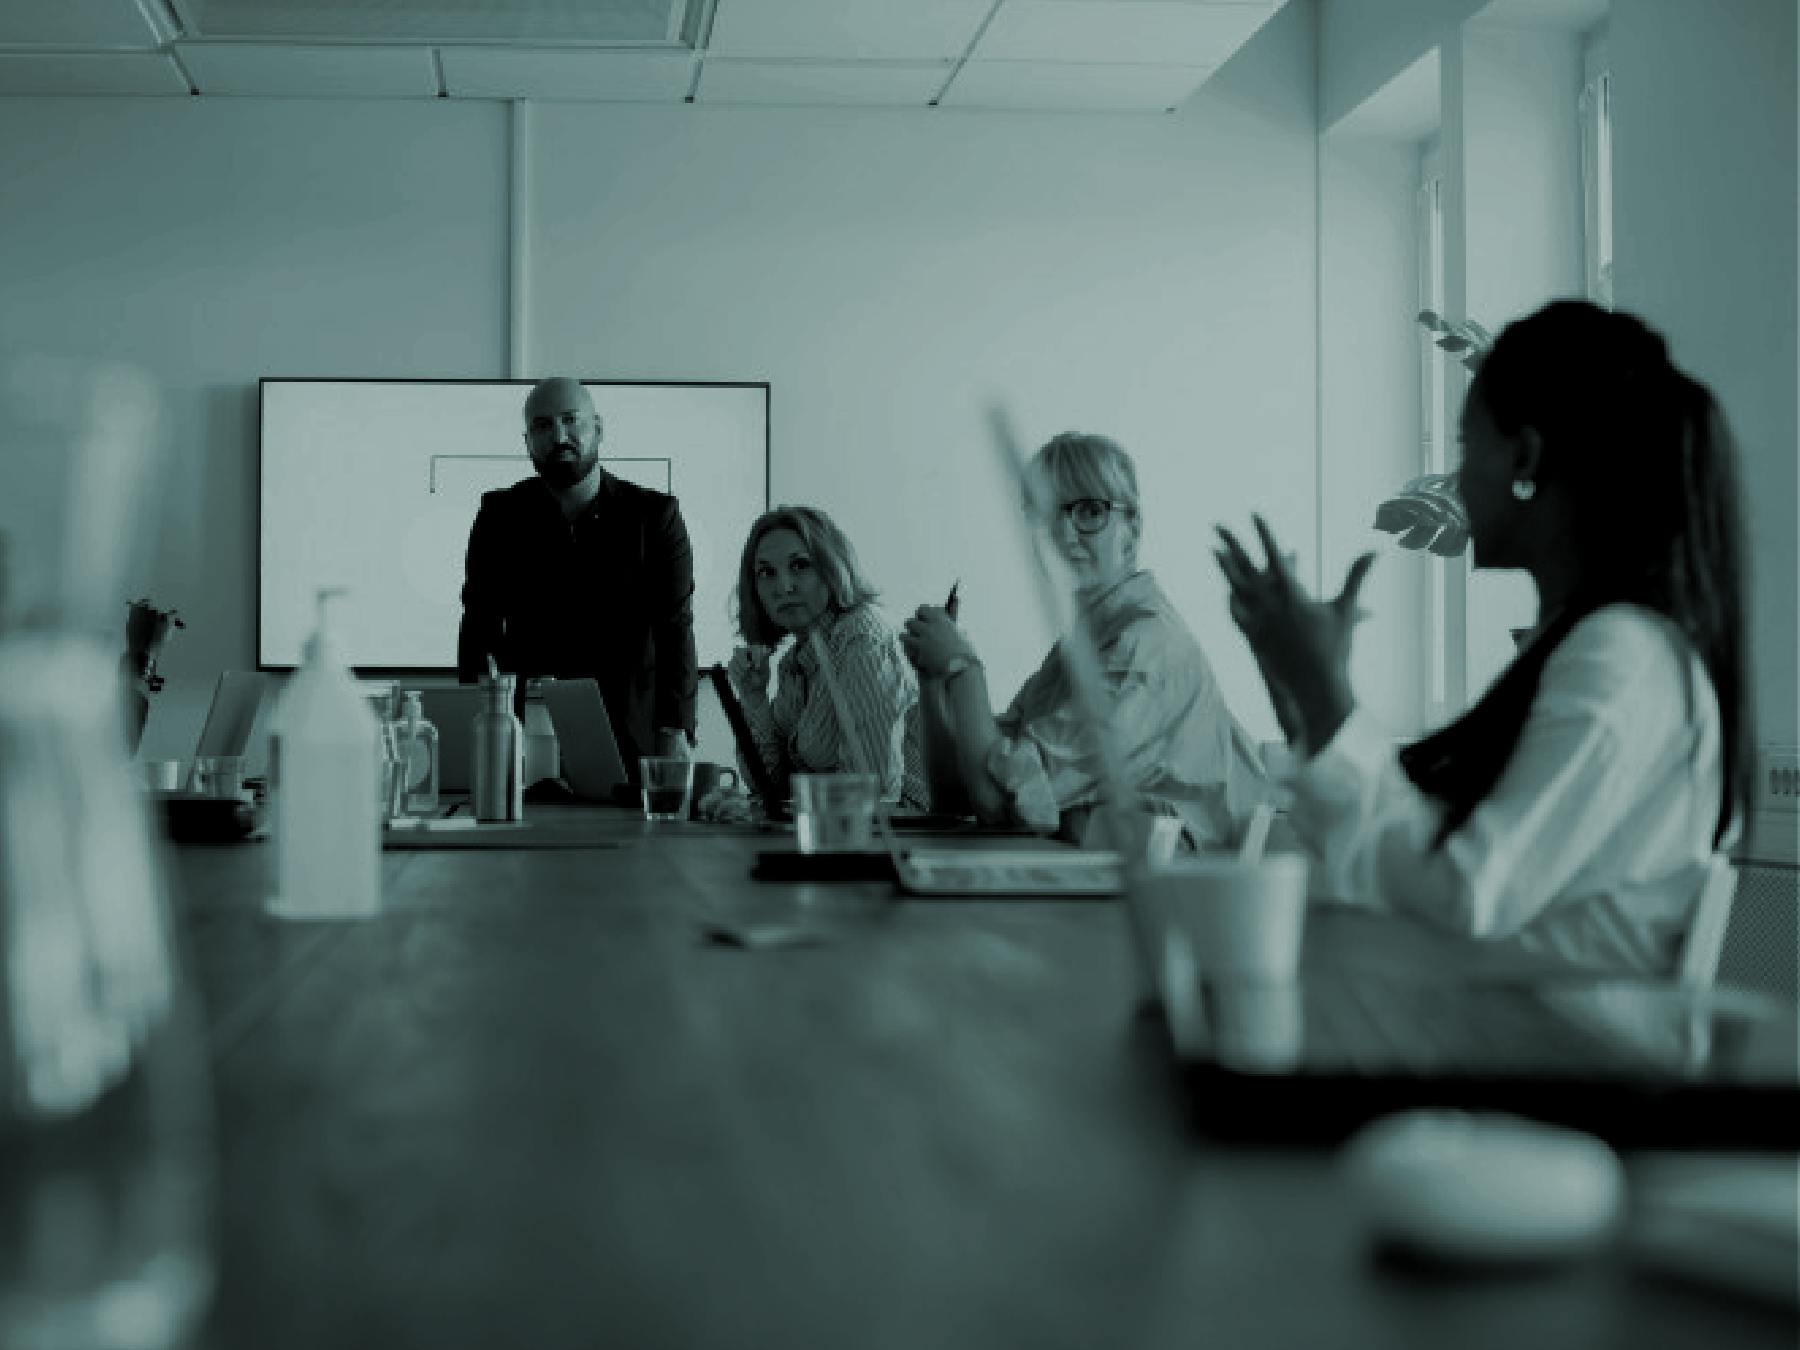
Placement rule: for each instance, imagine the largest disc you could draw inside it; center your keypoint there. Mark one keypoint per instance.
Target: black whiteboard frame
(449, 671)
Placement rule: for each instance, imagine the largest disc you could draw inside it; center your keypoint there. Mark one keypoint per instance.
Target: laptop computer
(591, 764)
(451, 708)
(231, 717)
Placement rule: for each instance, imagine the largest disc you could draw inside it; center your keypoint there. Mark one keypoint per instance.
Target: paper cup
(1239, 921)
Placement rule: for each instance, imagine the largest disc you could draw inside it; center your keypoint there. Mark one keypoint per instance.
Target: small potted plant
(146, 630)
(1427, 512)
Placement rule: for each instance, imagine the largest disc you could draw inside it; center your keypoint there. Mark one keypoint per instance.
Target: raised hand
(749, 670)
(1302, 645)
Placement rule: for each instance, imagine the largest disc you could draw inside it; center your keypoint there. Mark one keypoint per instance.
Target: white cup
(164, 775)
(1237, 920)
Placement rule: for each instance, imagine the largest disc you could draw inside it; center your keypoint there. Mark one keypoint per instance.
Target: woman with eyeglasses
(1581, 808)
(1035, 764)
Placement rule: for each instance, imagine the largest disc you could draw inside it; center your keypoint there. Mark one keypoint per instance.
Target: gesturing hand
(749, 671)
(930, 638)
(1301, 645)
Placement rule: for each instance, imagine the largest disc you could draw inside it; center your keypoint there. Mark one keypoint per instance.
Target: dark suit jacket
(608, 595)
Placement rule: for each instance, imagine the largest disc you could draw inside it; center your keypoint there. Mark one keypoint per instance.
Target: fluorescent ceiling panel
(310, 72)
(629, 22)
(1050, 87)
(847, 30)
(869, 83)
(90, 73)
(1154, 32)
(628, 77)
(75, 23)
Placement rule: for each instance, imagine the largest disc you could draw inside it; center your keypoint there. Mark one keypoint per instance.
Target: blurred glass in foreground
(106, 1159)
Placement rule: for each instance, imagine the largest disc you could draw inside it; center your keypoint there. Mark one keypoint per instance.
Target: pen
(950, 604)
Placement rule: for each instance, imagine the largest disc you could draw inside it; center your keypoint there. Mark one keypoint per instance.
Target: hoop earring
(1523, 489)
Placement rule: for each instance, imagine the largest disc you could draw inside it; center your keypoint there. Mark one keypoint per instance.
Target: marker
(950, 604)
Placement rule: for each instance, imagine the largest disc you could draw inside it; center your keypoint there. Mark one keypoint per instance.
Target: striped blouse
(798, 732)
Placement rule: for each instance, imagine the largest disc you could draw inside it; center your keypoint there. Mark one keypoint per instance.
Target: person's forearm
(942, 772)
(1321, 709)
(975, 733)
(677, 679)
(761, 718)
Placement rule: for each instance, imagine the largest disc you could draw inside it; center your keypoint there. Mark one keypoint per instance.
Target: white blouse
(1595, 843)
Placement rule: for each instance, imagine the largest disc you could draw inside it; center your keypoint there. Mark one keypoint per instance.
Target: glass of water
(106, 1163)
(834, 812)
(668, 783)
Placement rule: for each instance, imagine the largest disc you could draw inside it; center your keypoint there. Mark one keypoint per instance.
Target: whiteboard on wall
(372, 485)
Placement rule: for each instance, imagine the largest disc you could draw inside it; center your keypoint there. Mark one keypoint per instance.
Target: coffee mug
(710, 778)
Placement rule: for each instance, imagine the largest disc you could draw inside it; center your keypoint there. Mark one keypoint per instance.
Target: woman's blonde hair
(1082, 464)
(830, 551)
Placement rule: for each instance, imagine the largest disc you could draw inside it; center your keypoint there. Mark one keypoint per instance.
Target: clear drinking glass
(834, 812)
(106, 1147)
(668, 782)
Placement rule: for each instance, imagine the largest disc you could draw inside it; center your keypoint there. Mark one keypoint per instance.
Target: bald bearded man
(574, 572)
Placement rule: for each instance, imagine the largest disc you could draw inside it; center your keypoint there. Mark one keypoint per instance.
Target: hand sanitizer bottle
(419, 744)
(327, 819)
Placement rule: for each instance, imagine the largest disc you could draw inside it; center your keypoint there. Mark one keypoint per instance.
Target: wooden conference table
(533, 1105)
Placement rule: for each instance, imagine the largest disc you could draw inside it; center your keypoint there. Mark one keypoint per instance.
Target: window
(1595, 111)
(1434, 428)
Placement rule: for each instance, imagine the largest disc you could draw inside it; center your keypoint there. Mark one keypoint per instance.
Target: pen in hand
(950, 604)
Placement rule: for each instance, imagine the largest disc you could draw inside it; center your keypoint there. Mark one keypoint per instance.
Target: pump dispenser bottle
(323, 767)
(419, 742)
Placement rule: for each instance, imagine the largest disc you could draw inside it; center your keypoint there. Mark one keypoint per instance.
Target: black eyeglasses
(1089, 514)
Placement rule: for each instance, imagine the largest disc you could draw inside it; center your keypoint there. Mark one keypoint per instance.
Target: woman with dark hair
(798, 576)
(1577, 809)
(1036, 763)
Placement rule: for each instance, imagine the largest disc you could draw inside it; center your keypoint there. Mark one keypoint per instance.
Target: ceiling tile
(870, 83)
(1160, 32)
(90, 73)
(75, 23)
(608, 76)
(310, 72)
(847, 30)
(1071, 87)
(548, 21)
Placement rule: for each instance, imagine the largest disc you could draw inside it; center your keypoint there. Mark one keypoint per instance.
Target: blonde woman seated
(1579, 808)
(1036, 764)
(799, 576)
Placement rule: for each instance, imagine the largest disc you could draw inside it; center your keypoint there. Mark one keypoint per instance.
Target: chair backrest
(1761, 950)
(1706, 933)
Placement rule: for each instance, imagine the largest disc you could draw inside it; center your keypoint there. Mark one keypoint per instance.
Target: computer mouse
(1484, 1187)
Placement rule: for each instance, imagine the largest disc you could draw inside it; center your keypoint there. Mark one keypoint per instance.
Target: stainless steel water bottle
(498, 780)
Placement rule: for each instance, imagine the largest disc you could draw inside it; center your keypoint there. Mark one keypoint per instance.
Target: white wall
(1152, 277)
(889, 274)
(215, 241)
(1369, 408)
(1365, 43)
(1704, 163)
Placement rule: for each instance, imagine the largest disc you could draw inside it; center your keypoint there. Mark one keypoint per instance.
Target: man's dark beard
(562, 473)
